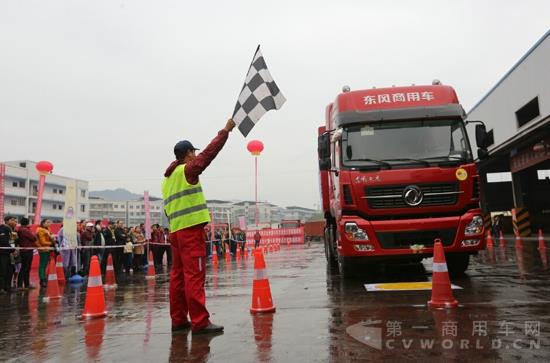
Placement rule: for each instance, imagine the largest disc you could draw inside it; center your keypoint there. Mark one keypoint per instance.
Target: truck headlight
(474, 227)
(353, 232)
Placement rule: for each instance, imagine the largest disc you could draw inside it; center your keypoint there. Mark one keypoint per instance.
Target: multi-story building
(301, 213)
(20, 190)
(516, 111)
(247, 209)
(132, 213)
(221, 210)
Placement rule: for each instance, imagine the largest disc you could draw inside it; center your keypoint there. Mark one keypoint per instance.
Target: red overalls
(187, 277)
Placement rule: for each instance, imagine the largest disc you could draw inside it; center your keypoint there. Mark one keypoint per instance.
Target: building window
(23, 165)
(528, 112)
(14, 184)
(60, 191)
(54, 191)
(13, 202)
(132, 207)
(82, 208)
(21, 184)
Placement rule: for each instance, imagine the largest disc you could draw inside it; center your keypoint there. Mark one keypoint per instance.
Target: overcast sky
(104, 89)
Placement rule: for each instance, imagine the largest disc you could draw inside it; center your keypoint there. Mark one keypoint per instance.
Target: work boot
(209, 329)
(181, 328)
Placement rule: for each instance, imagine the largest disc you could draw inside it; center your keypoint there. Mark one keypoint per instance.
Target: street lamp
(256, 147)
(43, 168)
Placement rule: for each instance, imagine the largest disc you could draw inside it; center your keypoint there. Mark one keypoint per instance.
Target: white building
(132, 213)
(299, 213)
(20, 190)
(517, 112)
(221, 210)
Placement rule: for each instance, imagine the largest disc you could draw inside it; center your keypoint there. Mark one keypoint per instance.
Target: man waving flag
(259, 95)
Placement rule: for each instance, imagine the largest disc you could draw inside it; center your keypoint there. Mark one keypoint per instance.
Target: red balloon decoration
(44, 167)
(255, 147)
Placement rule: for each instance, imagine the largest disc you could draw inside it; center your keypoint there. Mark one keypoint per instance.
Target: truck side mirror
(482, 154)
(481, 136)
(323, 150)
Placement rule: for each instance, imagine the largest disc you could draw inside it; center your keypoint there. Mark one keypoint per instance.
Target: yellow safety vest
(184, 203)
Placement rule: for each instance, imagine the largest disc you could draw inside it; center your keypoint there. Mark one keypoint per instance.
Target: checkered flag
(259, 95)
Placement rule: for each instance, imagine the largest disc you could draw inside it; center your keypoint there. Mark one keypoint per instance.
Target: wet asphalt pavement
(503, 316)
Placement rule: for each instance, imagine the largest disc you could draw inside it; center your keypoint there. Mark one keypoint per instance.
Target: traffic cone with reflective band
(442, 295)
(238, 253)
(95, 297)
(502, 241)
(52, 291)
(489, 239)
(150, 266)
(227, 253)
(261, 292)
(110, 280)
(214, 255)
(542, 245)
(519, 242)
(59, 269)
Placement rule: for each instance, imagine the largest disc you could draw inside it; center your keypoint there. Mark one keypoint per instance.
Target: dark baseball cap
(182, 147)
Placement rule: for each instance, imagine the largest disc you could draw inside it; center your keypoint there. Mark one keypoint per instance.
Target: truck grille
(406, 239)
(392, 196)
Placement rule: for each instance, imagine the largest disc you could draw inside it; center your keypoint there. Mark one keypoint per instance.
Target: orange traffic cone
(489, 239)
(238, 253)
(110, 280)
(261, 292)
(59, 270)
(214, 255)
(150, 267)
(52, 291)
(95, 297)
(442, 295)
(542, 245)
(501, 241)
(519, 242)
(227, 253)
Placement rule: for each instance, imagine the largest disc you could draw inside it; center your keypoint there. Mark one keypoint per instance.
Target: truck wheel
(329, 251)
(346, 269)
(457, 263)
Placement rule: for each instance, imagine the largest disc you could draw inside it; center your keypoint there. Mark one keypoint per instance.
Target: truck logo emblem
(412, 195)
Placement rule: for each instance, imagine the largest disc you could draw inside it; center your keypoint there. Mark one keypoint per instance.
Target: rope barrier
(99, 247)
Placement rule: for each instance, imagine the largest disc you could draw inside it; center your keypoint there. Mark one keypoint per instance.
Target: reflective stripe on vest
(184, 203)
(183, 193)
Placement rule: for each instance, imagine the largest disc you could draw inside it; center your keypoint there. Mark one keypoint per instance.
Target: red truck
(396, 173)
(314, 230)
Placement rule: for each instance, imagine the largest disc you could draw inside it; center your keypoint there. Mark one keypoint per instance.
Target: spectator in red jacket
(158, 251)
(86, 239)
(27, 239)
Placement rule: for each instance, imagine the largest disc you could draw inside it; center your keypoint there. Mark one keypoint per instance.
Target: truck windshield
(422, 142)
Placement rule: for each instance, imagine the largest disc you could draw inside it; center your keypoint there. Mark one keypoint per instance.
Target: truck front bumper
(403, 237)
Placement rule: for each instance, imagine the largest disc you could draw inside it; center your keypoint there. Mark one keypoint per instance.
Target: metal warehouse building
(516, 176)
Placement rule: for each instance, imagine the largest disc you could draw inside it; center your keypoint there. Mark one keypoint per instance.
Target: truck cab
(397, 173)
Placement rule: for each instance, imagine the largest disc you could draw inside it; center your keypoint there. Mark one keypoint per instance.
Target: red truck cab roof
(395, 103)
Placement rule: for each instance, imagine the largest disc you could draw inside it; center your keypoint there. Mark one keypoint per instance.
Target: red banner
(283, 236)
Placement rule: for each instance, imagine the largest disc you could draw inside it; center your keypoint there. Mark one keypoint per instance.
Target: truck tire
(457, 263)
(346, 269)
(329, 250)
